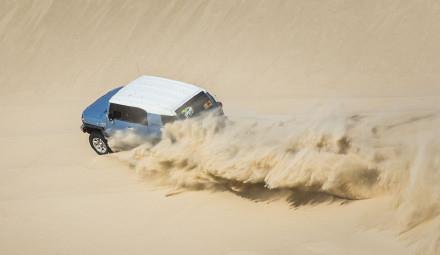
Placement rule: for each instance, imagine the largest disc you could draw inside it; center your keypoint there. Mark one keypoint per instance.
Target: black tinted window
(127, 113)
(167, 119)
(200, 102)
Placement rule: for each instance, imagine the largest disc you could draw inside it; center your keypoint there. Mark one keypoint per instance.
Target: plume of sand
(347, 156)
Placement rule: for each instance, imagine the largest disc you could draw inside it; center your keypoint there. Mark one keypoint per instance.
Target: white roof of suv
(155, 94)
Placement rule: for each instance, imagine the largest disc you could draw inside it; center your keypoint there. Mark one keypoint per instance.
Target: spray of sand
(344, 156)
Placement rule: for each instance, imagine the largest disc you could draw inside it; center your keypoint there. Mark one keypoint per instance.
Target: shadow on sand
(257, 192)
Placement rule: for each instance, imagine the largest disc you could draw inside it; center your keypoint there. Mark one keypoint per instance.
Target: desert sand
(331, 146)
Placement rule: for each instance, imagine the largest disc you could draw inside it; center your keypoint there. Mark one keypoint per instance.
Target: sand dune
(331, 146)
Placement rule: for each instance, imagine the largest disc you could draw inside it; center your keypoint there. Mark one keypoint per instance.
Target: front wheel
(99, 143)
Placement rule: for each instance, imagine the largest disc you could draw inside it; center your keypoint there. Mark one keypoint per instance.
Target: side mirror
(110, 116)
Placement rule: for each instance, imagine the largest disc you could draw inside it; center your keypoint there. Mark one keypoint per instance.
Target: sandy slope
(266, 60)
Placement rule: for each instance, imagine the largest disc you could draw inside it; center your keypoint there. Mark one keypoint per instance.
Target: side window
(127, 113)
(167, 119)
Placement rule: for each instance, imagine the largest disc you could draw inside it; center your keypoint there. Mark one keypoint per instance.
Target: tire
(99, 143)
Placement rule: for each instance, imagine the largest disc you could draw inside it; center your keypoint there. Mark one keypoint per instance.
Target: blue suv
(143, 106)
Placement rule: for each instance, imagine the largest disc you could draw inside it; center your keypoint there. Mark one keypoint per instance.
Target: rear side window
(167, 119)
(127, 113)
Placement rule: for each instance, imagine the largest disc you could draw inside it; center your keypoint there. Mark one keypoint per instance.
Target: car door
(154, 125)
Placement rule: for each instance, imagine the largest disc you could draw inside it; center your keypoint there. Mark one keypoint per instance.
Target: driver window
(127, 113)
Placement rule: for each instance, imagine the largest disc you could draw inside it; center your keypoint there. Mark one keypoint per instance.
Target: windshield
(199, 103)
